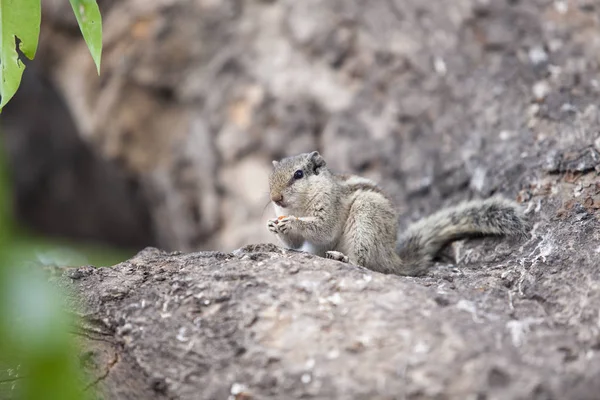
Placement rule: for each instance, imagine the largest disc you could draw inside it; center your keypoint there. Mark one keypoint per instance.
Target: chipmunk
(350, 219)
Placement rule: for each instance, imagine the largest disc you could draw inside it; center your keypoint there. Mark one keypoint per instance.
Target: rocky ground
(512, 320)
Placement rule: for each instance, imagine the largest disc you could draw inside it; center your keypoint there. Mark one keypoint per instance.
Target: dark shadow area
(61, 187)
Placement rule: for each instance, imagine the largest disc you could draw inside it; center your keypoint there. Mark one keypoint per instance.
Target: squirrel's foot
(272, 225)
(446, 255)
(337, 256)
(285, 224)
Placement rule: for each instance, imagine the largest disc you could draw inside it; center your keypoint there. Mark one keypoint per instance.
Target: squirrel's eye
(298, 174)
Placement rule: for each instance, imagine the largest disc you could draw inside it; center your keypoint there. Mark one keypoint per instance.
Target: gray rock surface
(512, 320)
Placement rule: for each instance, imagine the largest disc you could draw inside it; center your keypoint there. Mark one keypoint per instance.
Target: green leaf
(90, 22)
(18, 19)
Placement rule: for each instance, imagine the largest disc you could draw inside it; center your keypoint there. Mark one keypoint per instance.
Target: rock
(540, 90)
(537, 55)
(264, 322)
(576, 160)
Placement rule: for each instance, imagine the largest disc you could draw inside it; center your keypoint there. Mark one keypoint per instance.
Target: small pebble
(306, 378)
(537, 55)
(540, 90)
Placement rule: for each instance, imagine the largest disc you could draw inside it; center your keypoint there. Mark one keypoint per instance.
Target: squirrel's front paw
(272, 225)
(285, 224)
(337, 256)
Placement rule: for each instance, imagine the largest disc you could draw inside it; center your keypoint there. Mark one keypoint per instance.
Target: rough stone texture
(514, 320)
(438, 100)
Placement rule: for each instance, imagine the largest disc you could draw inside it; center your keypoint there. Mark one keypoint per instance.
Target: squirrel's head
(291, 177)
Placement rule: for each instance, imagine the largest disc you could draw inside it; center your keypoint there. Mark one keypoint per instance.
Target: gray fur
(349, 218)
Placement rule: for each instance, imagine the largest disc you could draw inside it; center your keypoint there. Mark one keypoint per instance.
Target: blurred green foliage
(20, 26)
(19, 19)
(90, 22)
(38, 355)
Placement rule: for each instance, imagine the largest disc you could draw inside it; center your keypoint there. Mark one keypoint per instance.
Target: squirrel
(350, 219)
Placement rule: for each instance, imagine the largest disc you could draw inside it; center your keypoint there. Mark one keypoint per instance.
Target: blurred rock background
(171, 145)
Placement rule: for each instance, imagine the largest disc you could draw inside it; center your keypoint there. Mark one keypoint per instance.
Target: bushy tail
(424, 239)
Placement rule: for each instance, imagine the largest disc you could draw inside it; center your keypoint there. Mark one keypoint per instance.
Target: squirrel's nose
(276, 198)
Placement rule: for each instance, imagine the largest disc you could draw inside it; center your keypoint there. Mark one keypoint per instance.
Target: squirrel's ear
(275, 163)
(317, 160)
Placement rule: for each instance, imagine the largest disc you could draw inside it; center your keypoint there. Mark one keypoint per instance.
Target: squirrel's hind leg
(337, 256)
(370, 233)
